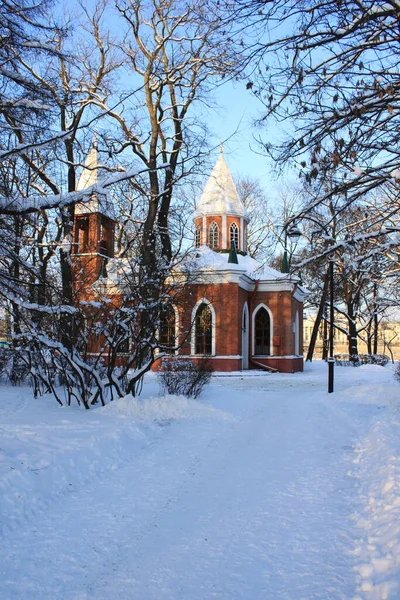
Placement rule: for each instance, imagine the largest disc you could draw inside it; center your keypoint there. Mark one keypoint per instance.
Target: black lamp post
(331, 357)
(292, 231)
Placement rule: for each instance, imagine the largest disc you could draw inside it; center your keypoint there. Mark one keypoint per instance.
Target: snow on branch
(19, 205)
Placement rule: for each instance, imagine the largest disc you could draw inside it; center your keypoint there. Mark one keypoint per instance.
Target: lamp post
(291, 230)
(331, 358)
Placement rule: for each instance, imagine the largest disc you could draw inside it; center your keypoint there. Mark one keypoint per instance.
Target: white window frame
(197, 236)
(234, 233)
(176, 311)
(253, 329)
(213, 327)
(215, 232)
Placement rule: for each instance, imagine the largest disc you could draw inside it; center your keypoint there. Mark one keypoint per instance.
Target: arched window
(168, 329)
(234, 235)
(262, 332)
(197, 236)
(213, 235)
(203, 330)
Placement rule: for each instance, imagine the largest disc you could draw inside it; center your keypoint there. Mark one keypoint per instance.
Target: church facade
(240, 314)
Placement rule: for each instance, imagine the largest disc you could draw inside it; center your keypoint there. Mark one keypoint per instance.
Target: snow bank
(162, 408)
(48, 452)
(268, 487)
(44, 457)
(377, 466)
(384, 395)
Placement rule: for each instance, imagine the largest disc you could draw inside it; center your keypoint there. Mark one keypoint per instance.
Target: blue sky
(233, 122)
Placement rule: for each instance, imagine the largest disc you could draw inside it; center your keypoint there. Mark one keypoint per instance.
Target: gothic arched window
(197, 236)
(167, 329)
(213, 235)
(234, 235)
(262, 332)
(203, 330)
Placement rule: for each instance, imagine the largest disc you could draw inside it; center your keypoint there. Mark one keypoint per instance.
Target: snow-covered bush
(396, 372)
(4, 360)
(18, 369)
(356, 360)
(184, 376)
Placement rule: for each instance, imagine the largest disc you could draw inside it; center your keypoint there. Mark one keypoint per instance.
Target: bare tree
(260, 242)
(175, 50)
(331, 68)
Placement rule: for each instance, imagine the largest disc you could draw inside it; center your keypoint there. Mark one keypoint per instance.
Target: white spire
(98, 202)
(220, 195)
(89, 175)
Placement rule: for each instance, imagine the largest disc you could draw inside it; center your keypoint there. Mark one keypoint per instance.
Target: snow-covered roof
(220, 195)
(206, 259)
(207, 266)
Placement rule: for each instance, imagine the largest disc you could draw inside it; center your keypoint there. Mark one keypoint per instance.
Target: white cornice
(275, 286)
(221, 276)
(218, 213)
(215, 277)
(300, 293)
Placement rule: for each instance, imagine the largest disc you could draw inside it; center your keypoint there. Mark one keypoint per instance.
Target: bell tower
(220, 218)
(93, 231)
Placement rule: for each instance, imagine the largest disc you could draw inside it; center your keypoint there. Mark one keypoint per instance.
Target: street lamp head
(293, 232)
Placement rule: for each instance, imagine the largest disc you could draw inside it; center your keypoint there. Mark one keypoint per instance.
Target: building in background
(388, 339)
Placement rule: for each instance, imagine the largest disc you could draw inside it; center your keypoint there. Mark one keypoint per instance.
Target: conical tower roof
(89, 173)
(220, 195)
(98, 202)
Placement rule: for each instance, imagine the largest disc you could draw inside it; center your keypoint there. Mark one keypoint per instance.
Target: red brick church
(241, 314)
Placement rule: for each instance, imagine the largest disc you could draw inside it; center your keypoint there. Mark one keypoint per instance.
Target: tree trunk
(352, 337)
(369, 339)
(314, 335)
(67, 217)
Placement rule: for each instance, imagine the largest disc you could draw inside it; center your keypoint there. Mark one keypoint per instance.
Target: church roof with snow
(220, 196)
(208, 260)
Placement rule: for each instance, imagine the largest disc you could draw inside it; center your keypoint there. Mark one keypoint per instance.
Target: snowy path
(252, 500)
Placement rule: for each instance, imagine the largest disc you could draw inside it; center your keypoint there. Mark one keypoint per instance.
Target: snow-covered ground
(266, 488)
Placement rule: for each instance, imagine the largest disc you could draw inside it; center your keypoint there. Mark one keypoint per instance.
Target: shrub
(184, 376)
(347, 360)
(18, 369)
(5, 355)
